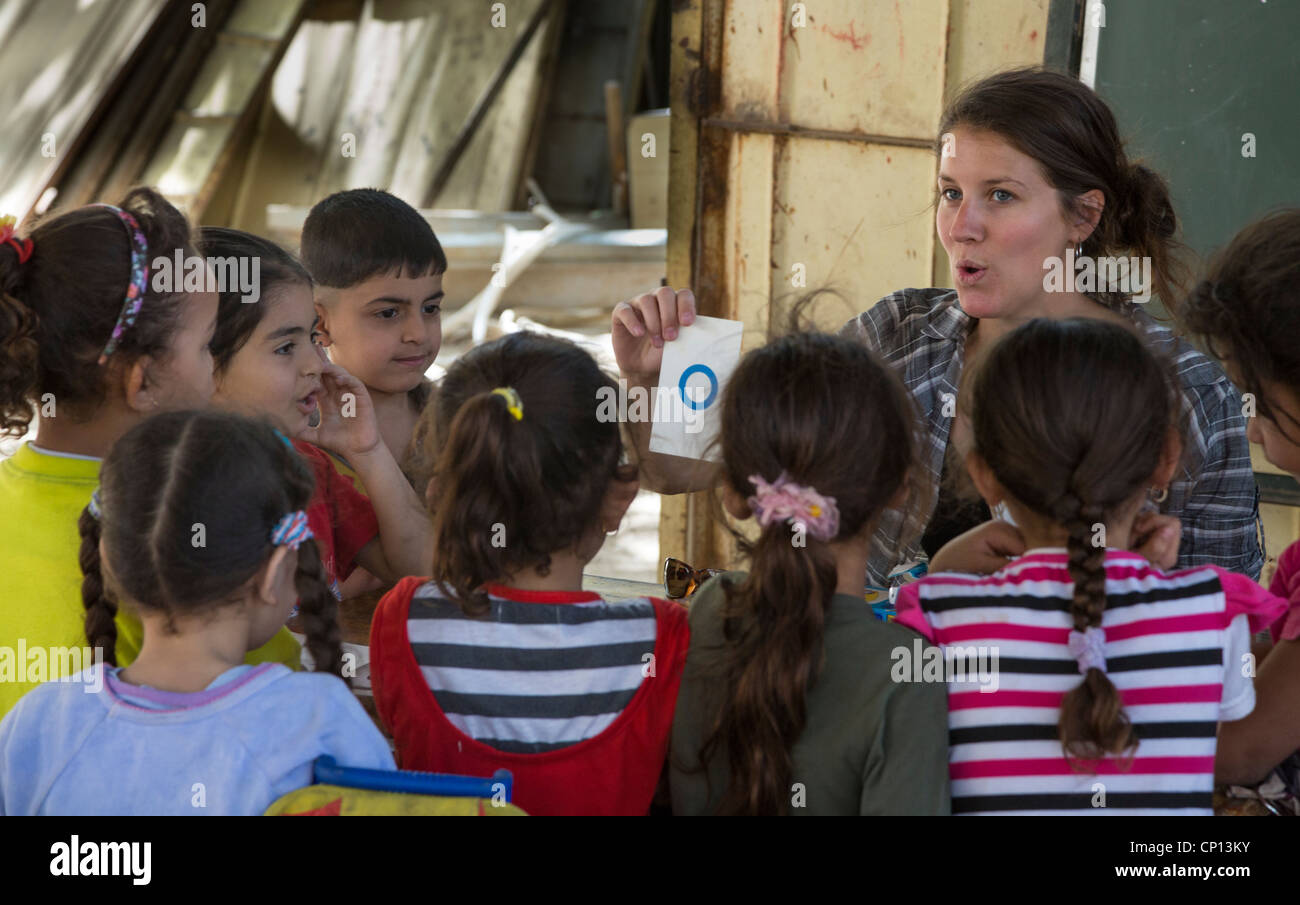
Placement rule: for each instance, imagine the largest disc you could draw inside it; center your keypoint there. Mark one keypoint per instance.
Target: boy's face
(386, 330)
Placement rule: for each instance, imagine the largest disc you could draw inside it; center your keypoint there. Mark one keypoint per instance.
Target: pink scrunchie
(784, 500)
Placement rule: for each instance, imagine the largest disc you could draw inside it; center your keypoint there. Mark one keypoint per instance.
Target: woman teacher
(1031, 169)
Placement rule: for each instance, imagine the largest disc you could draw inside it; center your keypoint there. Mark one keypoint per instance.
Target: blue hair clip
(283, 439)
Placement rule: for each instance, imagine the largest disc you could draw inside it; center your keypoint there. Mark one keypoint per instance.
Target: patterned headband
(139, 279)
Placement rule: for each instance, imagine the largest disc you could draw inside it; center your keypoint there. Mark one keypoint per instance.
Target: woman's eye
(950, 194)
(387, 314)
(432, 308)
(997, 192)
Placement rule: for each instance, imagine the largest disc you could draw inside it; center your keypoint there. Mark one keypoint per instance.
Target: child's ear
(277, 572)
(322, 325)
(982, 476)
(1170, 456)
(735, 504)
(619, 495)
(139, 389)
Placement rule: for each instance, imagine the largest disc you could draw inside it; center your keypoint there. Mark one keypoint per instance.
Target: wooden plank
(640, 20)
(228, 80)
(549, 62)
(131, 128)
(872, 230)
(875, 66)
(55, 68)
(199, 145)
(474, 118)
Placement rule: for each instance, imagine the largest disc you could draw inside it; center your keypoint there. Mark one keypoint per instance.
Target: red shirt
(611, 762)
(341, 519)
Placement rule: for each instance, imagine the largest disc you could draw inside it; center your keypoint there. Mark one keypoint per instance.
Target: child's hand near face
(348, 423)
(1157, 538)
(982, 550)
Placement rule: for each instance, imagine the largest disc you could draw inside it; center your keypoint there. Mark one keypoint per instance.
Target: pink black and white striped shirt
(1175, 648)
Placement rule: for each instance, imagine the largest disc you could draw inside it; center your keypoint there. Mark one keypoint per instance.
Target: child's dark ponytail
(319, 611)
(101, 610)
(774, 623)
(1093, 722)
(1072, 417)
(525, 459)
(478, 463)
(795, 417)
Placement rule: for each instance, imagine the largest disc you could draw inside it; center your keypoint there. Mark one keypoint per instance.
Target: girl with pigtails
(1112, 674)
(788, 703)
(197, 526)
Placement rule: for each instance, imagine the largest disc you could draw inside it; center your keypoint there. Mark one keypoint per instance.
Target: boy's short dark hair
(352, 236)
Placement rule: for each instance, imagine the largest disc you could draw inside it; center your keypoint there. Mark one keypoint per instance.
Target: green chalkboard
(1190, 81)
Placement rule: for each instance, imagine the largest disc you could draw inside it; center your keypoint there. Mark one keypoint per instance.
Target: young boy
(378, 272)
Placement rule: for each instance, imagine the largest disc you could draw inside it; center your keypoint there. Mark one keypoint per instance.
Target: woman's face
(999, 220)
(276, 373)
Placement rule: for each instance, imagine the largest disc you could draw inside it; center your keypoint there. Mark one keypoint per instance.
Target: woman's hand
(642, 325)
(1156, 537)
(347, 416)
(982, 550)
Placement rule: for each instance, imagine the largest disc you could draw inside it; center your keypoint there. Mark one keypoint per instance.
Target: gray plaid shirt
(921, 333)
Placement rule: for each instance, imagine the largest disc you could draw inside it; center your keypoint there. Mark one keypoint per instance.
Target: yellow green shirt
(42, 619)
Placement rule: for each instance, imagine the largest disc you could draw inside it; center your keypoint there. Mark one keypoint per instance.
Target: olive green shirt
(870, 745)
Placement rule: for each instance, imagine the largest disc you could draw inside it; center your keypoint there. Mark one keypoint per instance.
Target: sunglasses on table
(682, 580)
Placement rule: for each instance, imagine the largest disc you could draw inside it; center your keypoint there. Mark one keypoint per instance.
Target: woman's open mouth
(969, 273)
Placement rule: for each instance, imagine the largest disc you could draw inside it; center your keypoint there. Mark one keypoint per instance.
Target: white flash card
(696, 366)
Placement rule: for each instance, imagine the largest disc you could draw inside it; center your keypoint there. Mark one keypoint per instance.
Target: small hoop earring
(1160, 496)
(611, 533)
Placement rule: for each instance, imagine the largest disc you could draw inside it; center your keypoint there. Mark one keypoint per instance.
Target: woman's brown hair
(229, 477)
(1072, 417)
(57, 310)
(1070, 131)
(825, 412)
(513, 490)
(1247, 309)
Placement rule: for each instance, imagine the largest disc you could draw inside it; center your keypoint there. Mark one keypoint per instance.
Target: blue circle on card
(713, 386)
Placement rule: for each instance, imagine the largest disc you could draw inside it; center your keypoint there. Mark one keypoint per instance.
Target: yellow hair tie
(514, 404)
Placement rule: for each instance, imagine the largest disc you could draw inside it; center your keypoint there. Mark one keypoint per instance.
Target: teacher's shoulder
(898, 319)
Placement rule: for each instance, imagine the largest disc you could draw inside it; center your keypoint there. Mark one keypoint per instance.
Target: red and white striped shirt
(1175, 644)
